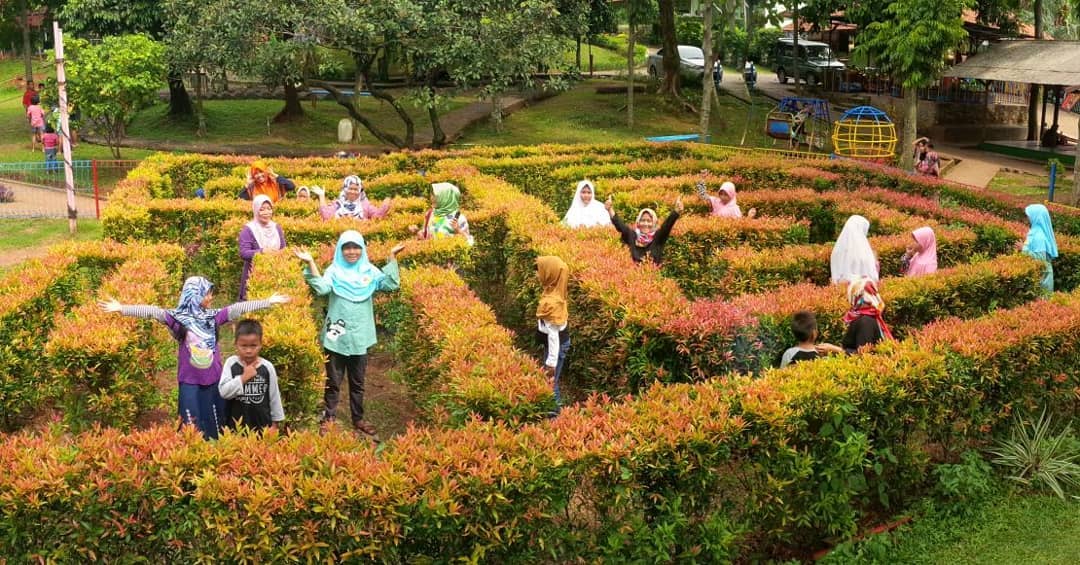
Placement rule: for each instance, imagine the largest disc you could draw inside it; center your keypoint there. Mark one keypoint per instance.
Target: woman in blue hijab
(349, 328)
(1040, 242)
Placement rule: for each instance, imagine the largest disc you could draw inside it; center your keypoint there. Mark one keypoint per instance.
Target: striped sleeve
(145, 312)
(241, 308)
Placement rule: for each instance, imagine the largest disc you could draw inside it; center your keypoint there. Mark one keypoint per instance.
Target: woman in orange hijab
(551, 317)
(262, 180)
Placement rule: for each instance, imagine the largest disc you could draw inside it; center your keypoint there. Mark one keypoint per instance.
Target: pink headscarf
(925, 261)
(729, 210)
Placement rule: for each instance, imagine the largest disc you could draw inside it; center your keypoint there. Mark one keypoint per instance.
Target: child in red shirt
(50, 143)
(36, 116)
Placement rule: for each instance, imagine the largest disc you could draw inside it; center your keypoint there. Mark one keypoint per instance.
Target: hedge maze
(683, 442)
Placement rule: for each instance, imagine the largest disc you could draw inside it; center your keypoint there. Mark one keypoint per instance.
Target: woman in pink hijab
(921, 256)
(724, 204)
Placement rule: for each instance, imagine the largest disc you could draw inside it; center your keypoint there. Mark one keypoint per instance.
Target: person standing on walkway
(351, 282)
(552, 315)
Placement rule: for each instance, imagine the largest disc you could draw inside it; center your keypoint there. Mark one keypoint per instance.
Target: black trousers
(337, 367)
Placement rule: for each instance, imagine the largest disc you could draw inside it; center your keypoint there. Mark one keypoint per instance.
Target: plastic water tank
(344, 130)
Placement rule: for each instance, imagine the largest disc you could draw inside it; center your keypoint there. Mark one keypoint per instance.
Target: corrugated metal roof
(1032, 62)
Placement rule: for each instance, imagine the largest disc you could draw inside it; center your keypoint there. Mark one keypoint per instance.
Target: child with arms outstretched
(194, 325)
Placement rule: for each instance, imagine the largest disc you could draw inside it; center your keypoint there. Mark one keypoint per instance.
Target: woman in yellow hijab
(551, 317)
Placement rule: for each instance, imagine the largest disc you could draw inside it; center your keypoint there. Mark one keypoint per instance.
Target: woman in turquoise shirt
(349, 330)
(1040, 242)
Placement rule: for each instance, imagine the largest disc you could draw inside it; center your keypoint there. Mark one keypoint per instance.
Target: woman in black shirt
(644, 239)
(865, 324)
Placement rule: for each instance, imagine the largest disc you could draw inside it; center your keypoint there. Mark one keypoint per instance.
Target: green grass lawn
(245, 122)
(21, 234)
(1035, 186)
(15, 133)
(583, 116)
(603, 59)
(1017, 528)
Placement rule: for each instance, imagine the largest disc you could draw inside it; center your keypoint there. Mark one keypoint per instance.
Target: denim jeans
(564, 348)
(202, 407)
(50, 160)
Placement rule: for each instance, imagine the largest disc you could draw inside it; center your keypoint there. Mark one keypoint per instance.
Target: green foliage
(1036, 455)
(966, 483)
(113, 17)
(912, 39)
(114, 79)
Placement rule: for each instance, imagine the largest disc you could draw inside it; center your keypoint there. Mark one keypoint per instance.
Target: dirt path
(32, 201)
(387, 405)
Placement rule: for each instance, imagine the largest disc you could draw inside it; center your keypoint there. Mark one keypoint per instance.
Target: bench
(684, 137)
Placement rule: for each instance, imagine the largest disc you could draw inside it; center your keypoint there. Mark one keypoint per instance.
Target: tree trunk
(671, 59)
(630, 75)
(438, 136)
(363, 67)
(1035, 98)
(707, 79)
(200, 115)
(911, 120)
(358, 86)
(292, 110)
(795, 47)
(179, 101)
(577, 53)
(28, 56)
(496, 112)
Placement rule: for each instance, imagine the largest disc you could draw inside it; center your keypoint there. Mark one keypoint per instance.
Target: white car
(691, 63)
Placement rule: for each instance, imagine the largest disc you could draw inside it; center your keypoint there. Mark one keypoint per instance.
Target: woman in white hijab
(586, 211)
(852, 255)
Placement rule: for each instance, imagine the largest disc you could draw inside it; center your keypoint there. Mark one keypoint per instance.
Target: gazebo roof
(1052, 63)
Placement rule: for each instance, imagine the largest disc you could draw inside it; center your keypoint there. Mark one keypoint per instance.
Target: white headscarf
(266, 236)
(852, 255)
(351, 208)
(581, 216)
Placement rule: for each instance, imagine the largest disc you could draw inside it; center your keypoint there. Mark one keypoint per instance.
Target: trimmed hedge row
(966, 291)
(1025, 358)
(290, 333)
(193, 219)
(715, 471)
(105, 364)
(457, 358)
(29, 294)
(178, 175)
(31, 298)
(731, 272)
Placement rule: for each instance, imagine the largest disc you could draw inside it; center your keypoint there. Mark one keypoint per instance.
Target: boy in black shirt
(804, 327)
(249, 383)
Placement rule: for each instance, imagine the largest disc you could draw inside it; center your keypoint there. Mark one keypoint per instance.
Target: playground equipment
(800, 121)
(864, 132)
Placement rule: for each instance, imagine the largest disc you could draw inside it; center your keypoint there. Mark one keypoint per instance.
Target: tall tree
(102, 18)
(671, 59)
(1035, 95)
(911, 44)
(28, 56)
(113, 80)
(706, 80)
(637, 11)
(499, 45)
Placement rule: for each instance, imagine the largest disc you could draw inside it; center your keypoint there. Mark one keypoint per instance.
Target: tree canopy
(112, 80)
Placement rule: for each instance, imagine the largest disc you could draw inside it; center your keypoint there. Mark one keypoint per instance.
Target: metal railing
(39, 188)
